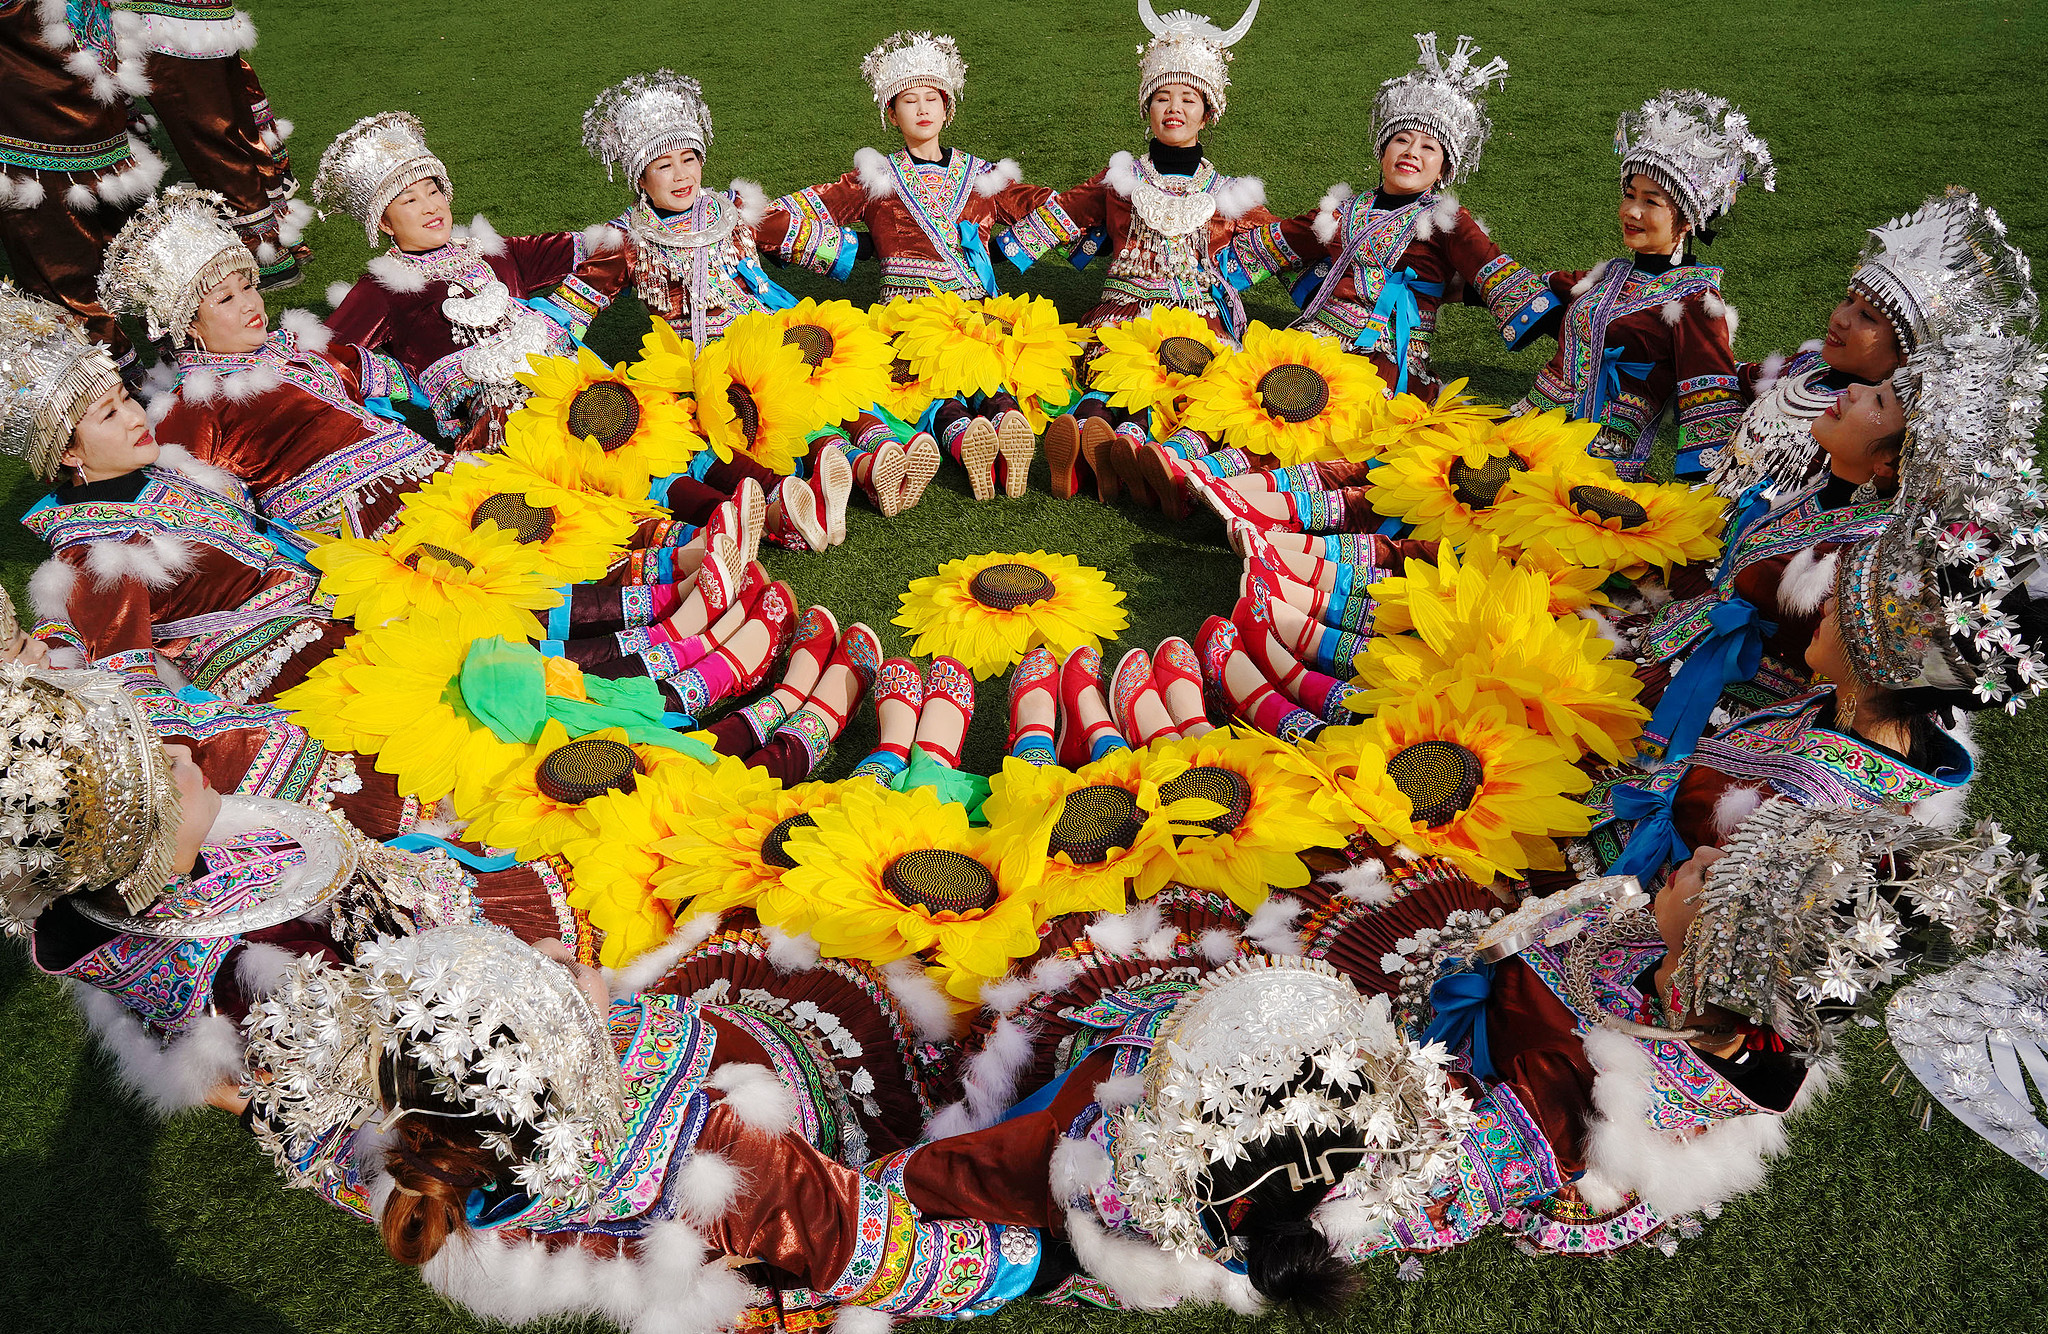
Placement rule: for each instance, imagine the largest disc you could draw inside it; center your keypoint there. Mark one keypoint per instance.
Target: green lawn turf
(1870, 1223)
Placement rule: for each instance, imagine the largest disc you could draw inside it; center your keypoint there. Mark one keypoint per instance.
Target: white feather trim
(284, 128)
(998, 177)
(1364, 883)
(201, 386)
(337, 292)
(80, 199)
(790, 953)
(753, 201)
(260, 967)
(1945, 810)
(1123, 1091)
(65, 658)
(1150, 1279)
(1077, 1168)
(155, 560)
(1349, 1225)
(266, 252)
(1272, 926)
(486, 237)
(1054, 975)
(950, 1120)
(1734, 318)
(178, 459)
(1712, 303)
(1239, 195)
(249, 385)
(1217, 944)
(924, 1005)
(1813, 345)
(989, 1078)
(165, 1079)
(28, 193)
(1671, 312)
(875, 176)
(395, 276)
(861, 1320)
(1003, 996)
(756, 1096)
(649, 968)
(1808, 579)
(706, 1186)
(305, 326)
(49, 589)
(1734, 806)
(1122, 173)
(293, 221)
(1585, 284)
(601, 238)
(1444, 213)
(1606, 629)
(1325, 225)
(1768, 371)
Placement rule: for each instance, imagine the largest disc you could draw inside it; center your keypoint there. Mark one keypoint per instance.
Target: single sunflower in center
(1290, 394)
(988, 611)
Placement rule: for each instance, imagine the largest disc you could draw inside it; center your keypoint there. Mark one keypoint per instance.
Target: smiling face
(671, 180)
(113, 439)
(1862, 431)
(1860, 340)
(417, 218)
(1650, 222)
(230, 319)
(920, 113)
(1176, 114)
(1412, 161)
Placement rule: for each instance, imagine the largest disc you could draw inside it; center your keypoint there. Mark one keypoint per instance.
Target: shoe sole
(1096, 435)
(835, 482)
(1123, 456)
(753, 519)
(1063, 456)
(802, 516)
(1166, 487)
(885, 479)
(978, 449)
(921, 459)
(1017, 447)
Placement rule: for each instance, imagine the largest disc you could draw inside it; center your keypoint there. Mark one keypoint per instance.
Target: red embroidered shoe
(948, 680)
(1163, 477)
(1037, 673)
(1080, 672)
(861, 649)
(1133, 697)
(1176, 672)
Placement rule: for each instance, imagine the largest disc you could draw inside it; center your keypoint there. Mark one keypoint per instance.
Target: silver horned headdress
(501, 1030)
(1444, 98)
(50, 373)
(1972, 1035)
(913, 60)
(1267, 1051)
(178, 247)
(1188, 48)
(1697, 147)
(634, 122)
(372, 163)
(1924, 602)
(1944, 268)
(1805, 909)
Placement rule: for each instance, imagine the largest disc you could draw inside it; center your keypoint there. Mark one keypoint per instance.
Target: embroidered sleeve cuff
(582, 301)
(1709, 409)
(814, 239)
(1518, 299)
(1263, 251)
(382, 377)
(1047, 228)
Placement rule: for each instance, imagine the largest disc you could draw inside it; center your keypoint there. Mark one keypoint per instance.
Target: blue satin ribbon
(383, 408)
(1608, 383)
(560, 315)
(1398, 310)
(972, 246)
(771, 293)
(424, 842)
(1459, 1000)
(1751, 506)
(1654, 842)
(1730, 652)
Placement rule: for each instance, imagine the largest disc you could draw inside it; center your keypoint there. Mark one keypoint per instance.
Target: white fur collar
(395, 275)
(1122, 173)
(996, 178)
(1239, 195)
(875, 175)
(482, 236)
(753, 201)
(1327, 223)
(177, 459)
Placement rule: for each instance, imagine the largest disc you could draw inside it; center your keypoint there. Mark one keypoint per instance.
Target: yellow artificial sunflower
(1289, 394)
(1271, 810)
(394, 692)
(1573, 588)
(1484, 793)
(485, 580)
(989, 611)
(617, 433)
(885, 875)
(1018, 343)
(1484, 626)
(1149, 364)
(617, 866)
(1450, 416)
(846, 357)
(1357, 789)
(754, 394)
(1088, 833)
(1608, 524)
(1440, 482)
(551, 797)
(667, 360)
(908, 394)
(574, 535)
(725, 843)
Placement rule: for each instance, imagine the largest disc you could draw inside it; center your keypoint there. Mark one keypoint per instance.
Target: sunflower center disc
(999, 322)
(1225, 787)
(1439, 778)
(901, 373)
(529, 523)
(412, 562)
(744, 408)
(1293, 392)
(1603, 504)
(605, 412)
(772, 850)
(1477, 488)
(940, 880)
(1184, 356)
(811, 340)
(1009, 586)
(588, 768)
(1094, 820)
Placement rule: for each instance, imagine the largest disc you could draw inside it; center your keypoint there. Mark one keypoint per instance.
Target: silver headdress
(10, 623)
(1268, 1050)
(1971, 1035)
(86, 797)
(634, 122)
(1188, 48)
(503, 1031)
(912, 60)
(1801, 912)
(1697, 147)
(178, 247)
(1944, 268)
(50, 373)
(1445, 98)
(1922, 603)
(372, 163)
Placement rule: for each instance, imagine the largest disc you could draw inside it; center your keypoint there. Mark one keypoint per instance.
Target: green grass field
(1870, 1224)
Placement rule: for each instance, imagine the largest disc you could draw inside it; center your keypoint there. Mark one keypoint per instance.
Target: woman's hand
(32, 652)
(590, 979)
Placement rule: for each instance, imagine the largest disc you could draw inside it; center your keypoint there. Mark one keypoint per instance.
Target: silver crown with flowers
(503, 1031)
(372, 163)
(1923, 603)
(50, 373)
(1188, 48)
(178, 247)
(1797, 913)
(1944, 268)
(1969, 1033)
(1697, 147)
(1444, 98)
(634, 122)
(913, 60)
(1270, 1049)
